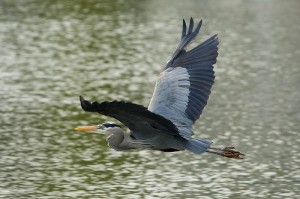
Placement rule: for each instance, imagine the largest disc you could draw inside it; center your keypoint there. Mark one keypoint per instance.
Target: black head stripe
(110, 125)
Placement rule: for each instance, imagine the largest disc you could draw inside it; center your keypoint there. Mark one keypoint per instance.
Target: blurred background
(52, 51)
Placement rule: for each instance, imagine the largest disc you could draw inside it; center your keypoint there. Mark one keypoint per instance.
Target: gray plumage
(179, 97)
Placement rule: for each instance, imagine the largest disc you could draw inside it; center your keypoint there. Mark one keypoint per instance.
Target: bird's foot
(228, 152)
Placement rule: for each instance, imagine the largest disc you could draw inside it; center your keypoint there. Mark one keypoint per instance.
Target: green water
(53, 51)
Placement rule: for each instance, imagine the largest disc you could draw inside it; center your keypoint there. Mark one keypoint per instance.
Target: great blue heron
(180, 94)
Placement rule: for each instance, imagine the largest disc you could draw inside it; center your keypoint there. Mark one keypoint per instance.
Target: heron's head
(98, 128)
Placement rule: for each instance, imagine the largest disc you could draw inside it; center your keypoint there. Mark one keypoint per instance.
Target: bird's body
(180, 94)
(118, 140)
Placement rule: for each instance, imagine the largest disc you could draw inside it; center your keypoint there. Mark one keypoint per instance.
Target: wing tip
(183, 28)
(191, 26)
(81, 98)
(86, 105)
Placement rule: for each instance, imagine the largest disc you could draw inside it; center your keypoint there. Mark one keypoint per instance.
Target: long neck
(121, 141)
(116, 138)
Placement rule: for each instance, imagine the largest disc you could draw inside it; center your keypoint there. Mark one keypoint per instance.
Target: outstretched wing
(134, 116)
(183, 88)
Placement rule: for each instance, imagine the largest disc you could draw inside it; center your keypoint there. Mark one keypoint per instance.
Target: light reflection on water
(52, 52)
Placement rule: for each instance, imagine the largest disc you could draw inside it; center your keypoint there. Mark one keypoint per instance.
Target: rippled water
(53, 51)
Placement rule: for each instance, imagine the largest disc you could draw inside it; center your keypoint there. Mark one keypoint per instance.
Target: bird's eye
(110, 125)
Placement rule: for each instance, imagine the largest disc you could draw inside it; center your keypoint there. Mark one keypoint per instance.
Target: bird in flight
(180, 95)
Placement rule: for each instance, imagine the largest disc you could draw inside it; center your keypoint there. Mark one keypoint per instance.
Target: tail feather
(197, 146)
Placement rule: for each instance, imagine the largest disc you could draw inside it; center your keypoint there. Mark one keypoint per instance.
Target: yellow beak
(86, 128)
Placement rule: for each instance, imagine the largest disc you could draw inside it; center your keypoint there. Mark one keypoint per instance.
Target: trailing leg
(228, 152)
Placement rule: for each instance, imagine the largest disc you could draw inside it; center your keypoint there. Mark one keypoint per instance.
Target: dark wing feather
(199, 64)
(186, 39)
(182, 90)
(130, 114)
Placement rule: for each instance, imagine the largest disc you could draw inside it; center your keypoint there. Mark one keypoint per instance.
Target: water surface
(53, 51)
